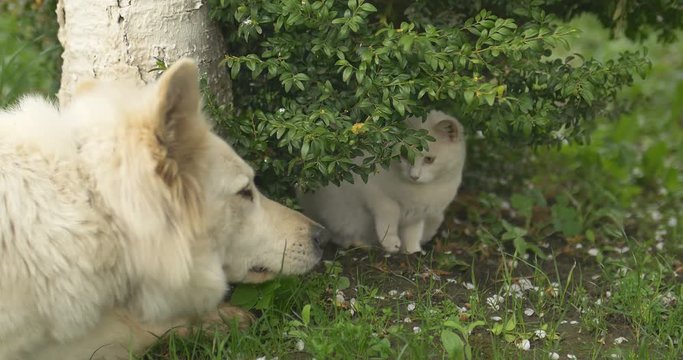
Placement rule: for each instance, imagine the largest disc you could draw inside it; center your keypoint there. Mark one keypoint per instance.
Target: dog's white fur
(123, 215)
(401, 207)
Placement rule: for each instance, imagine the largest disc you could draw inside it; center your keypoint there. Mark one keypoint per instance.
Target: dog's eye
(246, 193)
(429, 159)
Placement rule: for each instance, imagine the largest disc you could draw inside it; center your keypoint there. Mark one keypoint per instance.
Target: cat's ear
(449, 129)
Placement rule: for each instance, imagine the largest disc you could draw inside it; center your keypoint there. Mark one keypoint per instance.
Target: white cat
(401, 207)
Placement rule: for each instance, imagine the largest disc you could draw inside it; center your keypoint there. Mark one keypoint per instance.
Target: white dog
(123, 215)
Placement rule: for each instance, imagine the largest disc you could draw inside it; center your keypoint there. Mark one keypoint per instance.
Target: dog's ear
(180, 128)
(178, 95)
(168, 209)
(449, 128)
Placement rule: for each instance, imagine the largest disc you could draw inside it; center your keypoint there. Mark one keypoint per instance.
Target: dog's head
(178, 190)
(261, 237)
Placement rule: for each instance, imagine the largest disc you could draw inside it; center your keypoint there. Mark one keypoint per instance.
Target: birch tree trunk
(119, 39)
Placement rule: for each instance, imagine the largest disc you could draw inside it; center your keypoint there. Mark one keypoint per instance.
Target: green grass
(575, 251)
(27, 65)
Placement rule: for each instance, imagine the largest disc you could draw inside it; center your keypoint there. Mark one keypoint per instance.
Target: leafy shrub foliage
(318, 84)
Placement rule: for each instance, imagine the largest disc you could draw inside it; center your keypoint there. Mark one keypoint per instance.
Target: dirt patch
(448, 275)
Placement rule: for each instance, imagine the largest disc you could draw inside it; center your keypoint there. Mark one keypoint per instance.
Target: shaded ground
(458, 275)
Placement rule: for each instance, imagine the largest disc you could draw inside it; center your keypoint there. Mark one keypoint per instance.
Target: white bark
(119, 39)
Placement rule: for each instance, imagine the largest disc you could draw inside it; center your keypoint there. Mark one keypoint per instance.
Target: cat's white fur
(401, 207)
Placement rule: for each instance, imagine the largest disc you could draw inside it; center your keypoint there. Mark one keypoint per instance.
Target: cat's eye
(246, 193)
(429, 159)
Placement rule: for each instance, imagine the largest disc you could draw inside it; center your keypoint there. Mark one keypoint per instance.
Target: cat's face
(422, 171)
(443, 155)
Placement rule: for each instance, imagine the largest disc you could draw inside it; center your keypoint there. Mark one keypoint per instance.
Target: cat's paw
(391, 244)
(413, 248)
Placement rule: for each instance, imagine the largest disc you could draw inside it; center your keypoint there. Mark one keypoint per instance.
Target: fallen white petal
(494, 302)
(669, 299)
(339, 298)
(523, 344)
(656, 215)
(526, 284)
(672, 222)
(620, 340)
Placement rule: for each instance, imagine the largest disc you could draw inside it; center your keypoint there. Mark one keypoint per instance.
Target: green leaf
(521, 245)
(306, 314)
(304, 149)
(590, 235)
(490, 98)
(453, 345)
(474, 325)
(399, 106)
(347, 74)
(245, 296)
(343, 282)
(406, 42)
(512, 232)
(469, 96)
(566, 220)
(368, 7)
(510, 324)
(454, 324)
(235, 70)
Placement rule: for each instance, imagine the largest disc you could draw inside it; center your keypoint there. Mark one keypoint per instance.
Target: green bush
(319, 83)
(29, 50)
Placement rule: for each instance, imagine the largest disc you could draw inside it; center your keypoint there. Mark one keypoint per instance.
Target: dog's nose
(320, 235)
